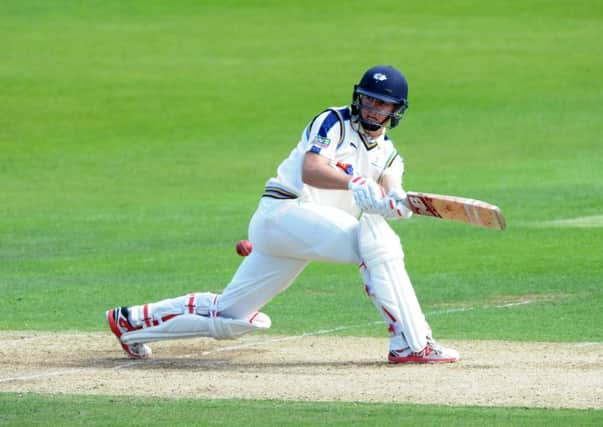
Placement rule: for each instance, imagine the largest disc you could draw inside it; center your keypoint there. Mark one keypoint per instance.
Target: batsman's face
(374, 110)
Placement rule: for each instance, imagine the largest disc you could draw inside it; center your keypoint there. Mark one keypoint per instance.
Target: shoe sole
(111, 320)
(418, 359)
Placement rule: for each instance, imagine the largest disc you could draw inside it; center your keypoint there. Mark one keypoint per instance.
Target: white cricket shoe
(119, 324)
(432, 353)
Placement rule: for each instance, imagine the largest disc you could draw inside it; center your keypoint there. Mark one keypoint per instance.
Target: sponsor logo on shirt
(321, 141)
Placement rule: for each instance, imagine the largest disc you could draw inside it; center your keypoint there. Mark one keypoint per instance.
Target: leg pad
(194, 325)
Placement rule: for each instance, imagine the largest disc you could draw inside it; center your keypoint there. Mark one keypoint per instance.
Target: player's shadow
(222, 364)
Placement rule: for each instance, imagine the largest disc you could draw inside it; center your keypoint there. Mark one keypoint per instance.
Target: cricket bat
(459, 209)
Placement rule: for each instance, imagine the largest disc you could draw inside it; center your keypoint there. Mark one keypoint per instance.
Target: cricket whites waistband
(275, 192)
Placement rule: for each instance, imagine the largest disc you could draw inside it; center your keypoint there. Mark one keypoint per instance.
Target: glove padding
(368, 195)
(395, 206)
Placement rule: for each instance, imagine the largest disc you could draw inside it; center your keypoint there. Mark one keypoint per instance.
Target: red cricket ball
(244, 247)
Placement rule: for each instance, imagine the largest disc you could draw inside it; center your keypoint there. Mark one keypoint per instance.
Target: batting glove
(395, 205)
(367, 194)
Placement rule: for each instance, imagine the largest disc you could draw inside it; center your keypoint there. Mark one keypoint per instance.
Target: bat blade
(459, 209)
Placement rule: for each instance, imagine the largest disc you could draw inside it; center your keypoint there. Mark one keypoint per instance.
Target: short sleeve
(323, 134)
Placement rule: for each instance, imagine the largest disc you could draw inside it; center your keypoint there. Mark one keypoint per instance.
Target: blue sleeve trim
(345, 113)
(327, 124)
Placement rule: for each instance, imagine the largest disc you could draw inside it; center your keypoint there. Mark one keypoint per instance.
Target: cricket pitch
(311, 368)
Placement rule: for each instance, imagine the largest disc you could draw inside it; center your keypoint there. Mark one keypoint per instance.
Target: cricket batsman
(330, 201)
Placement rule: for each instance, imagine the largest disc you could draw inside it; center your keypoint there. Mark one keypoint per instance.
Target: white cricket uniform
(296, 223)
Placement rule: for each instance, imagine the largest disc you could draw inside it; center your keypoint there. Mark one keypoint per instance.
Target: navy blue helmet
(387, 84)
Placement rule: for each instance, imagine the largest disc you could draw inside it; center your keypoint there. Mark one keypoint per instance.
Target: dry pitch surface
(491, 373)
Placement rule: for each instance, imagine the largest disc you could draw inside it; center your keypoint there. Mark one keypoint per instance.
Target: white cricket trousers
(286, 235)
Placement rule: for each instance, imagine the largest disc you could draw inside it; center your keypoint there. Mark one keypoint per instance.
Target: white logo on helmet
(379, 77)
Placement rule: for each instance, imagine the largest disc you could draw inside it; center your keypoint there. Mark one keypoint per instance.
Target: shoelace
(431, 347)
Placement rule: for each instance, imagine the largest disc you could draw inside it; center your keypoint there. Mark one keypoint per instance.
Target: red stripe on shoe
(419, 359)
(112, 324)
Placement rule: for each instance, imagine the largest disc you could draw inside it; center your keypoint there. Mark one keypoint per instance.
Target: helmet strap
(371, 126)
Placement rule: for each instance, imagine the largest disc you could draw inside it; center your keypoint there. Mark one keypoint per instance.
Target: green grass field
(136, 137)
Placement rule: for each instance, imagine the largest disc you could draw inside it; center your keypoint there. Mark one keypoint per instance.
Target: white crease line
(36, 376)
(283, 339)
(127, 365)
(341, 328)
(21, 338)
(64, 372)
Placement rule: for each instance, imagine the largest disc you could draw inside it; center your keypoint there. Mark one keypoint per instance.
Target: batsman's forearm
(391, 183)
(318, 172)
